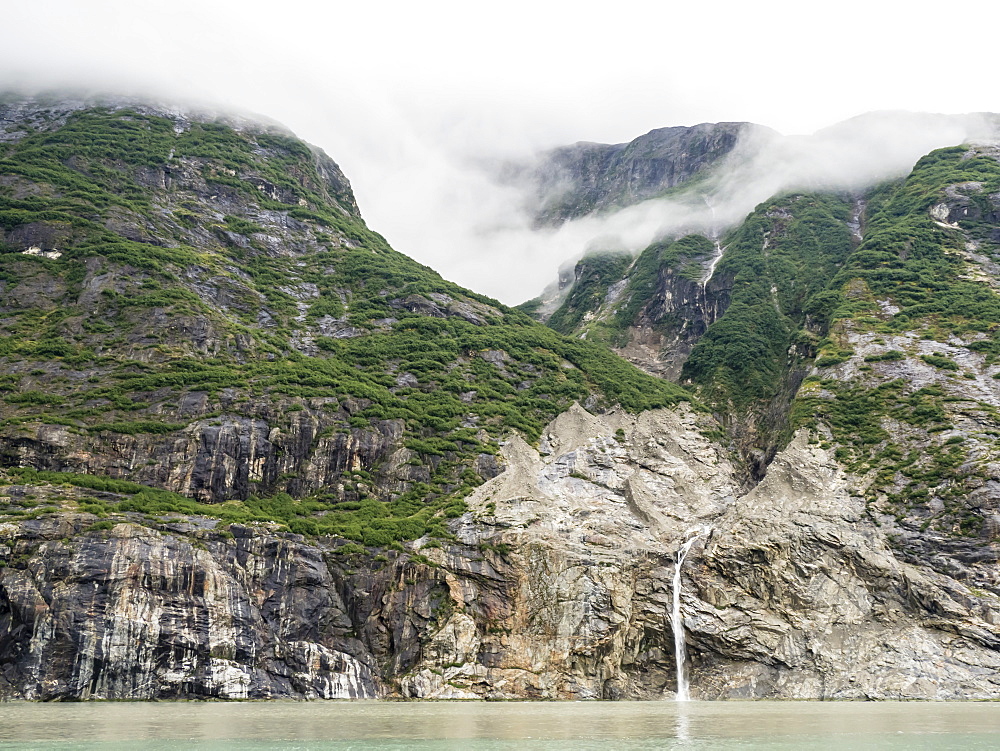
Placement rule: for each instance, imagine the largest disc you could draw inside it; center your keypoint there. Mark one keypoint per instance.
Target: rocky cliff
(572, 181)
(557, 584)
(651, 309)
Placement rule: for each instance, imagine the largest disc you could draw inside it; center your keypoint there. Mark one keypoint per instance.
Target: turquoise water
(486, 726)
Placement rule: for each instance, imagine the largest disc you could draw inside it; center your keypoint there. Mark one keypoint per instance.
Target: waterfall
(676, 621)
(712, 231)
(713, 235)
(712, 263)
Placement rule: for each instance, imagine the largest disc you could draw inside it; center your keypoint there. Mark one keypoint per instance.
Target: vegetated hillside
(737, 318)
(896, 335)
(572, 181)
(874, 319)
(194, 303)
(906, 382)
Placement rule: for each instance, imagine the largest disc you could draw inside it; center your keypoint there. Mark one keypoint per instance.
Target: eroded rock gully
(558, 586)
(671, 324)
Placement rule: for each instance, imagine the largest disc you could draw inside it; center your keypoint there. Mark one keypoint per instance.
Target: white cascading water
(712, 263)
(719, 250)
(676, 621)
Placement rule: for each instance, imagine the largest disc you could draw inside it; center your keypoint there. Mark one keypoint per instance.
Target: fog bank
(481, 230)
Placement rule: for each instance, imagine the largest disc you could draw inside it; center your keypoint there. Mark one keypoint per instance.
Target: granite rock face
(136, 613)
(796, 591)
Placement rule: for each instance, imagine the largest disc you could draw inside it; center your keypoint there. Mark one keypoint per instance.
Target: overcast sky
(409, 96)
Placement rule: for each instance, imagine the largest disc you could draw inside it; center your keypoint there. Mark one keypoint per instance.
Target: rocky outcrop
(572, 181)
(797, 592)
(180, 611)
(558, 585)
(803, 596)
(230, 456)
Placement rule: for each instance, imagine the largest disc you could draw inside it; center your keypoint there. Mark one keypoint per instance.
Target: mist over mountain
(586, 178)
(596, 200)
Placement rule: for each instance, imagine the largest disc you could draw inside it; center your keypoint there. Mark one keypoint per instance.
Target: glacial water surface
(481, 726)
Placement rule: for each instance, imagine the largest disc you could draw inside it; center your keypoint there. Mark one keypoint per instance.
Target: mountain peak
(585, 178)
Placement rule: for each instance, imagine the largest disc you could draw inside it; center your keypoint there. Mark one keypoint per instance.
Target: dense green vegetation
(207, 266)
(885, 429)
(781, 259)
(908, 258)
(596, 273)
(369, 521)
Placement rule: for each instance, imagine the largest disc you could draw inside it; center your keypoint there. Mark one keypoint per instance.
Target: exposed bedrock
(557, 586)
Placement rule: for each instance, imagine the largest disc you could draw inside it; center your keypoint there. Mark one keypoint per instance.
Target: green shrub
(939, 361)
(892, 354)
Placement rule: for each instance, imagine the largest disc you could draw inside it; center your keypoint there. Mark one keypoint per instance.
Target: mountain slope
(883, 307)
(738, 318)
(907, 381)
(196, 304)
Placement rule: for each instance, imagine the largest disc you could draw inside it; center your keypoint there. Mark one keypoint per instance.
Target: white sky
(407, 96)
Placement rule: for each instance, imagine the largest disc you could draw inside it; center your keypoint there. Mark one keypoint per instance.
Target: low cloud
(480, 232)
